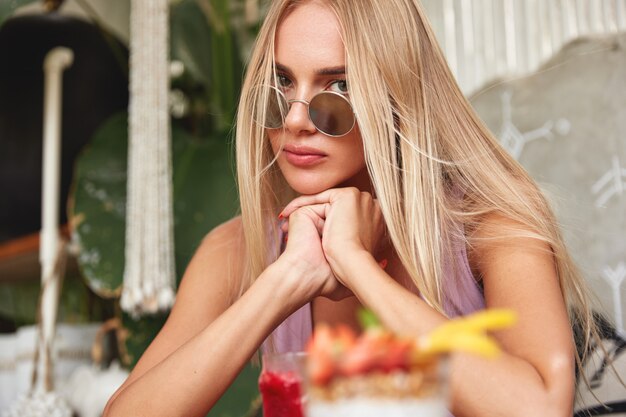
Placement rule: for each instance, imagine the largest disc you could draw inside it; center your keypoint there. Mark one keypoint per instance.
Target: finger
(328, 196)
(320, 210)
(306, 200)
(317, 213)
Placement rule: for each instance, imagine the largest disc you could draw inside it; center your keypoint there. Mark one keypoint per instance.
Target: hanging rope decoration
(149, 276)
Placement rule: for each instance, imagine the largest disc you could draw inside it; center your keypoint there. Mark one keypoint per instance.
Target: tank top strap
(462, 293)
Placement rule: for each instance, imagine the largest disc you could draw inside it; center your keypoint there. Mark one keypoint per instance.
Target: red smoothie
(282, 394)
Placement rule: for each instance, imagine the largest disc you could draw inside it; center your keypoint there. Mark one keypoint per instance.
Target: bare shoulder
(496, 236)
(227, 229)
(517, 267)
(224, 240)
(518, 270)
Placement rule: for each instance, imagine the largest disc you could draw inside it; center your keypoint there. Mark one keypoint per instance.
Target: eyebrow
(341, 70)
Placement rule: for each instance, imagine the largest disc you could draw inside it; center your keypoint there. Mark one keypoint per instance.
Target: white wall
(489, 39)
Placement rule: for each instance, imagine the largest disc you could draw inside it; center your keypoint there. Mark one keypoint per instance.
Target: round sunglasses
(331, 113)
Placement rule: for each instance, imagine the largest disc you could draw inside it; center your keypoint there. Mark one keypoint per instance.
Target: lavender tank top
(462, 296)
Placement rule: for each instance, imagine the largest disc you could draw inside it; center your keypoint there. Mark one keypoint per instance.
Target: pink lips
(303, 156)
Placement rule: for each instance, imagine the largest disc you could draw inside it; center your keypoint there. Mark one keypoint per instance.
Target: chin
(309, 188)
(315, 181)
(313, 184)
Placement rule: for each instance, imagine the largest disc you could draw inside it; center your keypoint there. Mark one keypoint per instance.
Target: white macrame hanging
(149, 276)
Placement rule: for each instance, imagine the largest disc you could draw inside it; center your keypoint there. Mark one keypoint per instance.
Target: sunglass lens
(271, 109)
(332, 114)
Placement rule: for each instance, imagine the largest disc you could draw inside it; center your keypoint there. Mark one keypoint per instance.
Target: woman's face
(310, 58)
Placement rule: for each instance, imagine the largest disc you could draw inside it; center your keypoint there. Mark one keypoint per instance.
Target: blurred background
(547, 76)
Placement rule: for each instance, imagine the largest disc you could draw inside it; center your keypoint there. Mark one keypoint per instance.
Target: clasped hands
(326, 230)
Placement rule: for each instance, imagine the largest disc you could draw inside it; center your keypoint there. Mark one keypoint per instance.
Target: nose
(297, 120)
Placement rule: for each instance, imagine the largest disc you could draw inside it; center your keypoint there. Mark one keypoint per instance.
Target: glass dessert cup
(281, 384)
(382, 374)
(421, 391)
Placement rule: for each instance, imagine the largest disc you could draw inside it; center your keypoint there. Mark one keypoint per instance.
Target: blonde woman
(366, 179)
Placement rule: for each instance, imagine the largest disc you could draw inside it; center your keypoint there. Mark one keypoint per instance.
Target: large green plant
(203, 39)
(204, 195)
(204, 188)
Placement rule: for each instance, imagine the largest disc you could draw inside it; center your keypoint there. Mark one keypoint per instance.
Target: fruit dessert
(382, 374)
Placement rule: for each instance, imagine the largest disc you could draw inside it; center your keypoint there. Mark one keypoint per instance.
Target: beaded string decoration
(149, 276)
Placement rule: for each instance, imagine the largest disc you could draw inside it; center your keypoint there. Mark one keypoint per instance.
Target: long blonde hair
(423, 142)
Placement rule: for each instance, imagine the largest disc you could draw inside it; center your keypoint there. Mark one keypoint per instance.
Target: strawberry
(344, 339)
(333, 342)
(358, 360)
(397, 355)
(320, 368)
(338, 351)
(366, 352)
(322, 340)
(321, 346)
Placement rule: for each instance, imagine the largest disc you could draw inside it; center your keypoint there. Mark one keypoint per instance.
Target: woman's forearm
(506, 386)
(191, 379)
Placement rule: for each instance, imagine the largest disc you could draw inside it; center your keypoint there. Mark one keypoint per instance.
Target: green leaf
(98, 207)
(203, 40)
(18, 302)
(191, 40)
(141, 333)
(226, 69)
(240, 397)
(368, 319)
(205, 194)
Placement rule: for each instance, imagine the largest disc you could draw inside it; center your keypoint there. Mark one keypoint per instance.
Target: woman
(346, 100)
